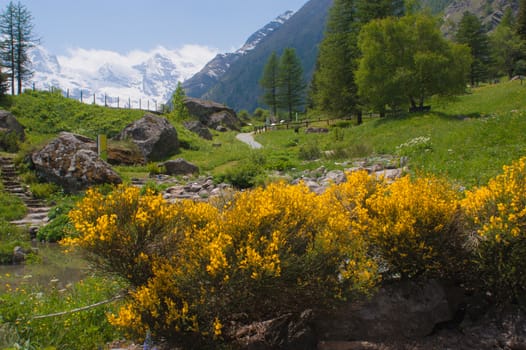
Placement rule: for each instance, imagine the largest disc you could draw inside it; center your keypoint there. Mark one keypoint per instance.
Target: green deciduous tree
(407, 60)
(269, 82)
(291, 86)
(16, 28)
(471, 32)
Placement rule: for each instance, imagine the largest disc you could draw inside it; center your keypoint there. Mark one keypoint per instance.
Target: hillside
(238, 87)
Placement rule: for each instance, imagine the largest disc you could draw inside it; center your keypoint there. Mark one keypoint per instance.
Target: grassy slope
(470, 138)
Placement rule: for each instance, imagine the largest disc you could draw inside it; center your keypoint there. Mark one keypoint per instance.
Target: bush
(194, 266)
(9, 141)
(245, 175)
(43, 190)
(309, 151)
(11, 207)
(414, 228)
(496, 215)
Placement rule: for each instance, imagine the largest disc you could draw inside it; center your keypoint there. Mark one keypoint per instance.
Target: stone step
(44, 210)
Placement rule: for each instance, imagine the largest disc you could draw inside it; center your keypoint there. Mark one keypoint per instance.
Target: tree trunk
(359, 120)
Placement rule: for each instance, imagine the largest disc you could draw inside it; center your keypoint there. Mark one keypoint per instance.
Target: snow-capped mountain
(201, 82)
(147, 78)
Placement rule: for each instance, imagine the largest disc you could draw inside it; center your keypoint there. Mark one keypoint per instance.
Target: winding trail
(248, 138)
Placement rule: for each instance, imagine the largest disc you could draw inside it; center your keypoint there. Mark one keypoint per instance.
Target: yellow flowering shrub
(122, 232)
(413, 227)
(496, 215)
(193, 266)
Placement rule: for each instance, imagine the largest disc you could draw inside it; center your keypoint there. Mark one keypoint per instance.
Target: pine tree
(16, 27)
(269, 82)
(520, 26)
(335, 90)
(471, 32)
(291, 86)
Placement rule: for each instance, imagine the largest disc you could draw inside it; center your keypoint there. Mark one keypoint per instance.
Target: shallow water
(53, 268)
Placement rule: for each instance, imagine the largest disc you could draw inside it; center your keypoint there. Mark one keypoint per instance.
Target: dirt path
(248, 138)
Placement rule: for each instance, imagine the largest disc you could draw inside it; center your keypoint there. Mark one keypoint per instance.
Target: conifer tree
(291, 86)
(471, 32)
(16, 28)
(269, 83)
(335, 90)
(521, 20)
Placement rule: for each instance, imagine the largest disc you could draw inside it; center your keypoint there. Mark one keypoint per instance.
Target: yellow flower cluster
(411, 224)
(496, 214)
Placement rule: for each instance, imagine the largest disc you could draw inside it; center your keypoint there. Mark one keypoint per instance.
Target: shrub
(414, 227)
(496, 216)
(11, 207)
(268, 251)
(243, 176)
(43, 190)
(309, 151)
(9, 141)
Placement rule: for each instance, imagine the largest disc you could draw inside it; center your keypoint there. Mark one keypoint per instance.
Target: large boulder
(155, 136)
(198, 128)
(213, 114)
(399, 310)
(72, 162)
(180, 166)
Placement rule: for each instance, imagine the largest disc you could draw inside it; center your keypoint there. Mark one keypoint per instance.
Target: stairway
(37, 210)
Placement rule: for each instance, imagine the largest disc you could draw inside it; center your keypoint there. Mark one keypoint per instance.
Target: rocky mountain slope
(232, 79)
(150, 77)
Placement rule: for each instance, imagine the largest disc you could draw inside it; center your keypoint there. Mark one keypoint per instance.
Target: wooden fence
(85, 96)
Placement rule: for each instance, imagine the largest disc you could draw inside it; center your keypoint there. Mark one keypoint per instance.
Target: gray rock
(198, 128)
(284, 332)
(213, 114)
(180, 166)
(71, 161)
(399, 310)
(315, 130)
(9, 123)
(155, 136)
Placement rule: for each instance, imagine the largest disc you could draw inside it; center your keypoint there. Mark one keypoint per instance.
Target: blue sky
(126, 25)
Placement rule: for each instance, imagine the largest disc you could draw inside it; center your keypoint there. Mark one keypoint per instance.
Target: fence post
(118, 101)
(105, 103)
(129, 102)
(67, 93)
(33, 86)
(93, 98)
(139, 104)
(81, 95)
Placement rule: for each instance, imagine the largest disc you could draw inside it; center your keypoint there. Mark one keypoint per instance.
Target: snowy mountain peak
(256, 38)
(150, 77)
(216, 68)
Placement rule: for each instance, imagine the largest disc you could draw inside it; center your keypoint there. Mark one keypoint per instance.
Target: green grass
(471, 137)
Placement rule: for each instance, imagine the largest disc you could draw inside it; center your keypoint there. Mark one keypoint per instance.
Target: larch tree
(471, 32)
(291, 85)
(179, 110)
(520, 25)
(16, 28)
(335, 90)
(269, 83)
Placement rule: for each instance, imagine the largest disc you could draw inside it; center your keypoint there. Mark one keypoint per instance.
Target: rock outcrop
(180, 166)
(155, 136)
(213, 115)
(10, 125)
(198, 128)
(71, 161)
